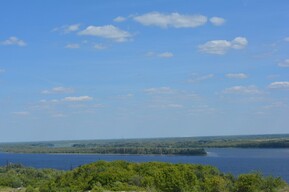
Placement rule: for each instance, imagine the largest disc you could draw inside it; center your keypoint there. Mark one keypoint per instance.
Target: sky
(112, 69)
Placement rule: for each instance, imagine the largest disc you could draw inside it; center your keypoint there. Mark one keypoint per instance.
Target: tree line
(162, 146)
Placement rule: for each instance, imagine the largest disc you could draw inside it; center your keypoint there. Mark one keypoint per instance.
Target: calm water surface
(236, 161)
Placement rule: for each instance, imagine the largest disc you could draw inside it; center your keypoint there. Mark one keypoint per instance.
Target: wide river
(230, 160)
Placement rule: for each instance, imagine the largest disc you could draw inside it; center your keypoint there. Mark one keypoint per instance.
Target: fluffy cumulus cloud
(78, 99)
(242, 90)
(119, 19)
(72, 46)
(236, 75)
(239, 43)
(171, 20)
(13, 41)
(284, 63)
(279, 85)
(217, 21)
(220, 47)
(58, 90)
(67, 28)
(107, 31)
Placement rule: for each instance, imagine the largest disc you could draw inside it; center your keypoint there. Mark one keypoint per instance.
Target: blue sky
(140, 69)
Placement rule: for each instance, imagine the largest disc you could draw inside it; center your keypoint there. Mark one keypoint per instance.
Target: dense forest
(107, 150)
(126, 176)
(157, 146)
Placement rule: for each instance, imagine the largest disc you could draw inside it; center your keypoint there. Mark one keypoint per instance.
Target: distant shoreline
(187, 146)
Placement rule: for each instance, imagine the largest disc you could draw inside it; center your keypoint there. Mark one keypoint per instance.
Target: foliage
(15, 176)
(157, 176)
(255, 182)
(126, 176)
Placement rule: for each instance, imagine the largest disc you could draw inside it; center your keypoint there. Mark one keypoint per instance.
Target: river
(230, 160)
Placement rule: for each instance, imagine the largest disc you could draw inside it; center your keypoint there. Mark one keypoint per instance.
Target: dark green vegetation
(158, 146)
(125, 176)
(105, 150)
(15, 176)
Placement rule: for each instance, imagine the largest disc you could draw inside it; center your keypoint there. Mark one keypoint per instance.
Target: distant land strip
(154, 146)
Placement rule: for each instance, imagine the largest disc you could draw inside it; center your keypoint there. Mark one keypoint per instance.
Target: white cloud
(168, 98)
(58, 115)
(21, 113)
(71, 28)
(49, 101)
(166, 55)
(119, 19)
(72, 46)
(279, 85)
(197, 78)
(165, 105)
(220, 47)
(284, 63)
(67, 28)
(162, 55)
(13, 41)
(217, 21)
(58, 90)
(107, 31)
(242, 90)
(77, 99)
(160, 90)
(236, 75)
(173, 105)
(99, 46)
(171, 20)
(239, 43)
(274, 105)
(201, 109)
(150, 54)
(126, 96)
(167, 92)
